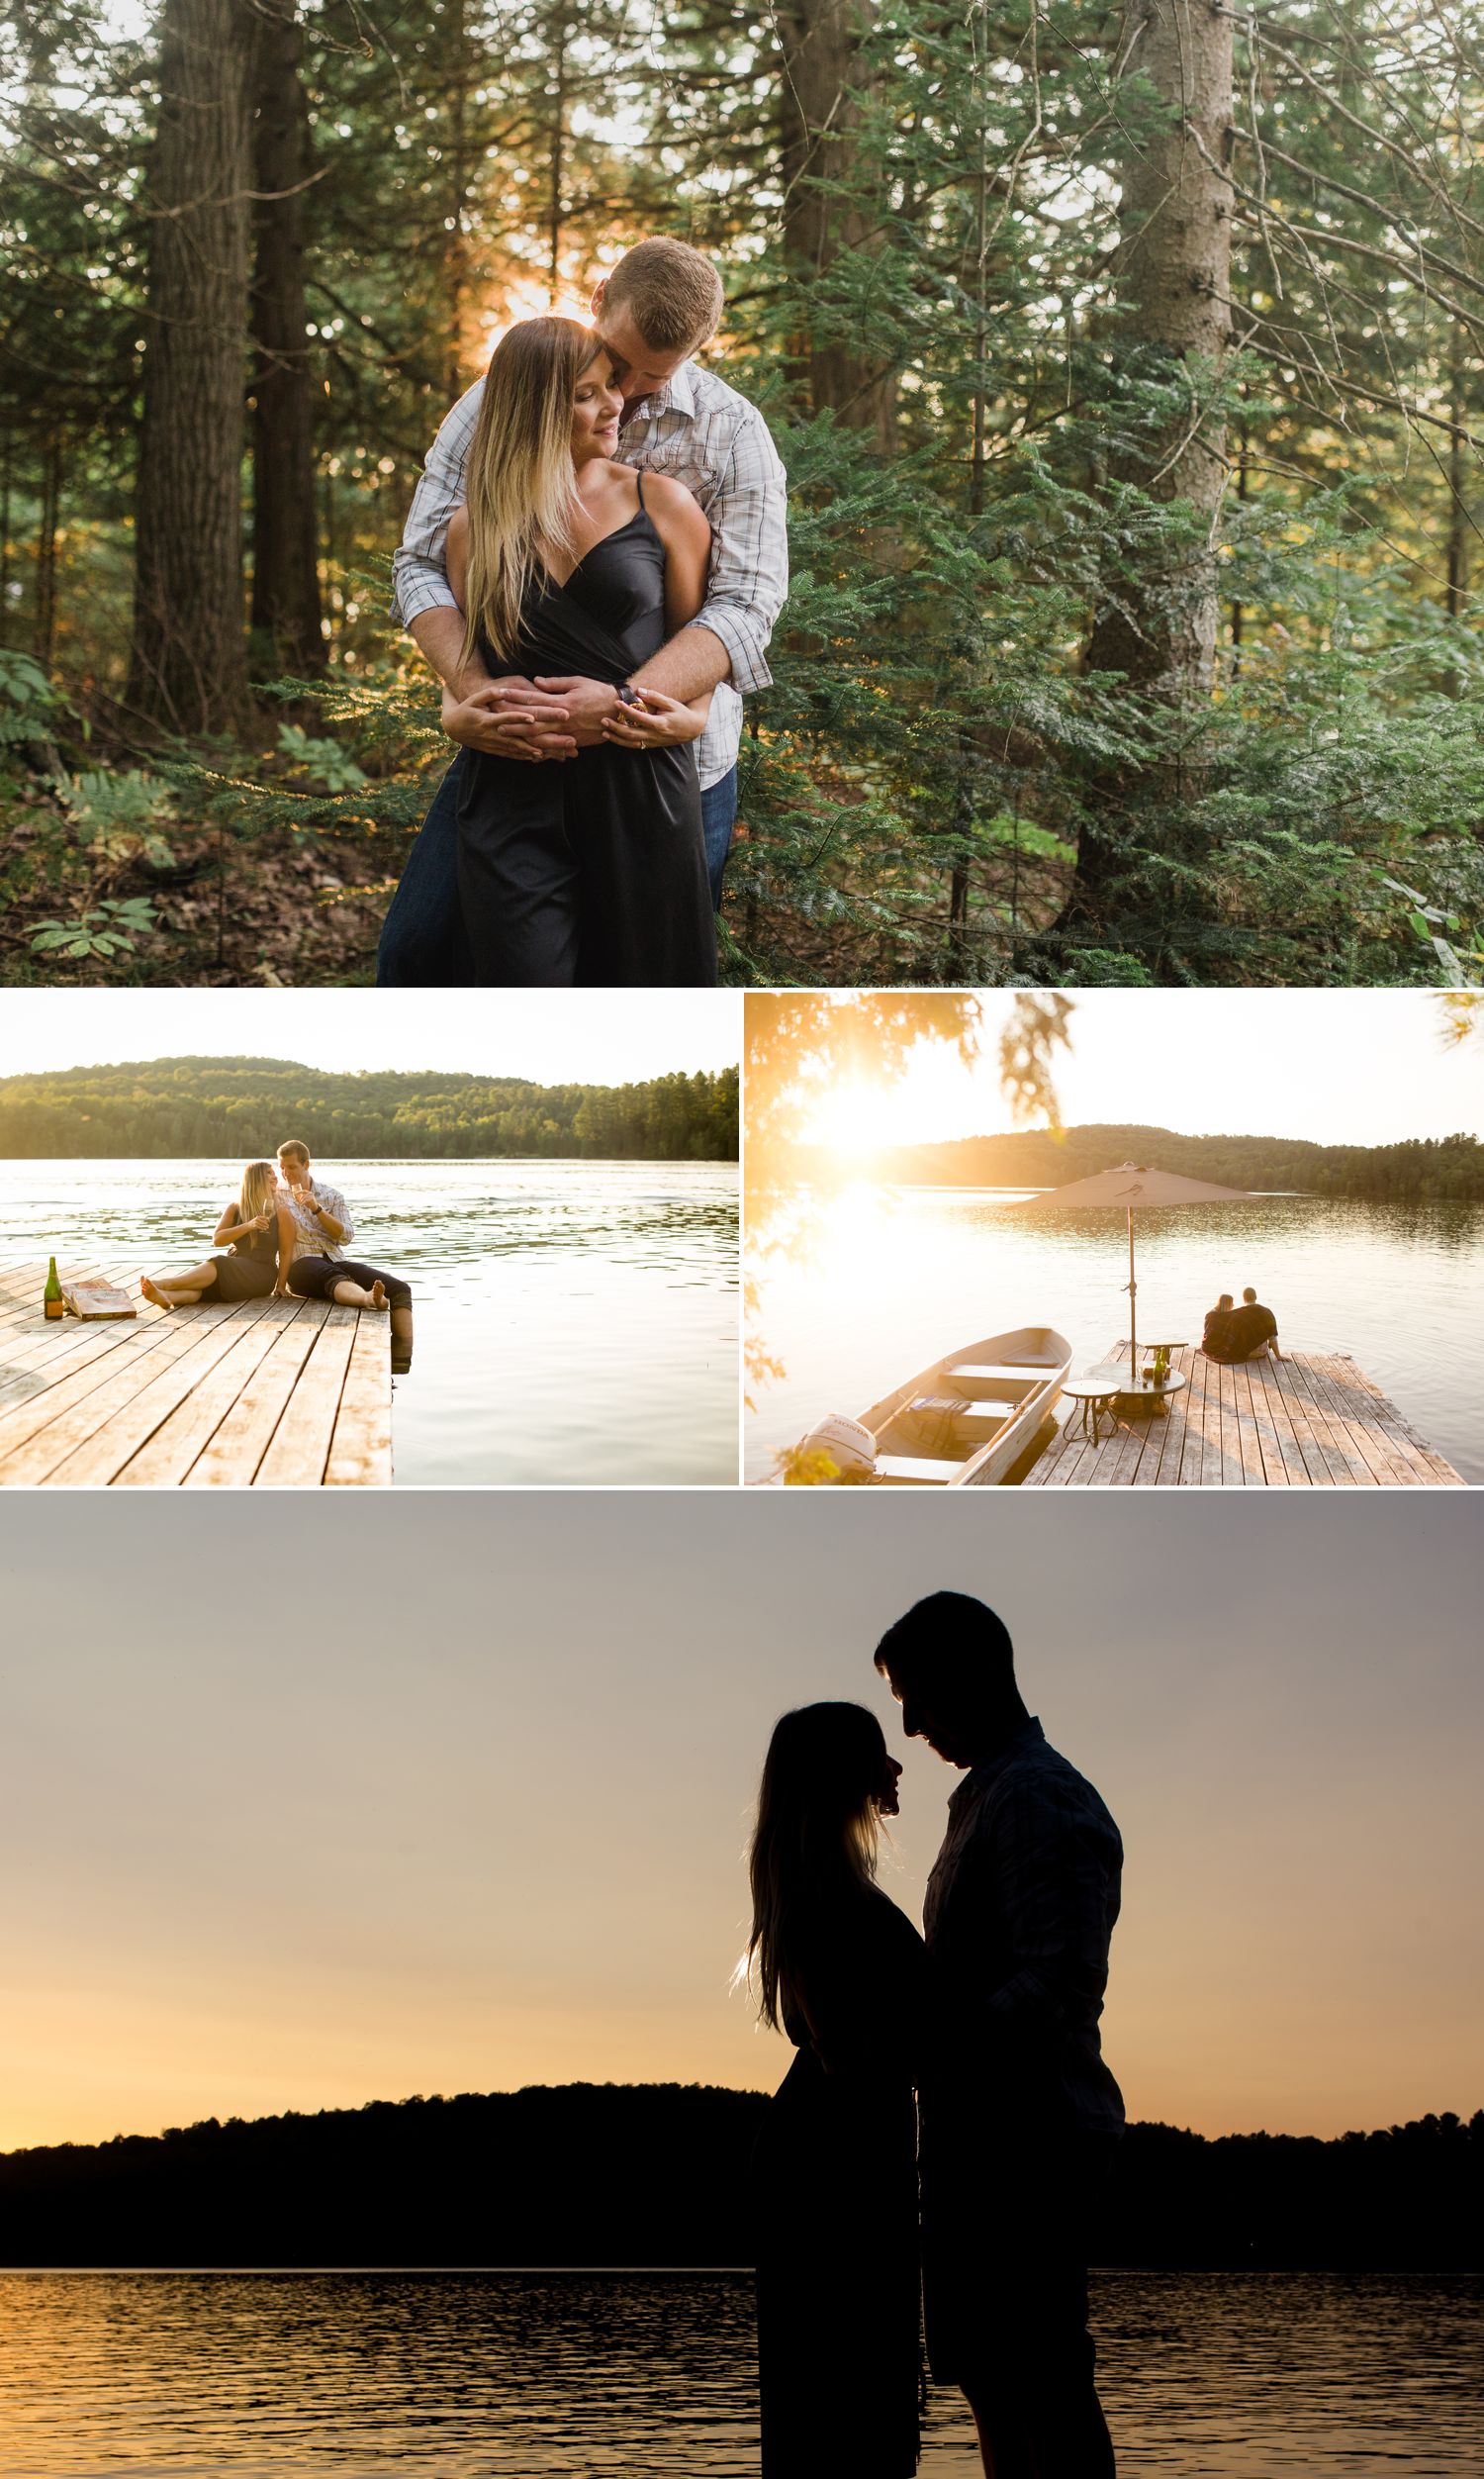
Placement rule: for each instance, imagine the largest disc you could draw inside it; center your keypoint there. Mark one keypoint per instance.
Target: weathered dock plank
(1313, 1420)
(300, 1449)
(234, 1457)
(257, 1394)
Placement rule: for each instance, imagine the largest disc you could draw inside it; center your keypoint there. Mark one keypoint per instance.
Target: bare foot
(378, 1295)
(151, 1291)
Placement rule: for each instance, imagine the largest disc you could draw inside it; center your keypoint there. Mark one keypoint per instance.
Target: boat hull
(965, 1421)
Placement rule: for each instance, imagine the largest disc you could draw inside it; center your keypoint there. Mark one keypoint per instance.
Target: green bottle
(51, 1298)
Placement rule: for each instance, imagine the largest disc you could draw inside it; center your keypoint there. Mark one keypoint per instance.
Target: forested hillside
(1129, 368)
(170, 1107)
(1420, 1169)
(565, 2174)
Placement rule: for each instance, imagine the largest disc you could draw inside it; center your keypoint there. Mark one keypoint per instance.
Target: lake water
(889, 1279)
(650, 2376)
(576, 1321)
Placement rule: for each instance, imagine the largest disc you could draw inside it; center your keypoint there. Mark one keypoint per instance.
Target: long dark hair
(818, 1822)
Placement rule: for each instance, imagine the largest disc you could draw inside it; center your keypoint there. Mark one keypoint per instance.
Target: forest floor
(278, 911)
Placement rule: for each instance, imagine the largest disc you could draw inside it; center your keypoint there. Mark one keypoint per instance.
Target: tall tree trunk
(1457, 477)
(5, 486)
(456, 257)
(823, 73)
(1157, 621)
(1244, 494)
(45, 555)
(557, 170)
(189, 665)
(284, 545)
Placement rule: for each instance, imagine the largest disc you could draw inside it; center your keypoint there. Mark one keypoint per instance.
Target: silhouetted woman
(259, 1250)
(839, 1969)
(1216, 1334)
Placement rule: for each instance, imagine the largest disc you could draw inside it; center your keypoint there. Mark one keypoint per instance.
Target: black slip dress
(835, 2205)
(592, 871)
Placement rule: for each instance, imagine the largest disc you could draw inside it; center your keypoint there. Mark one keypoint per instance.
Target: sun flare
(529, 297)
(849, 1118)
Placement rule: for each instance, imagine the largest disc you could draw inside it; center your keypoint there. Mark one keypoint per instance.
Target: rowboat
(961, 1423)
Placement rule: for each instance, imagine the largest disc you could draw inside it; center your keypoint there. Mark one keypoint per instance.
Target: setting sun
(528, 297)
(849, 1118)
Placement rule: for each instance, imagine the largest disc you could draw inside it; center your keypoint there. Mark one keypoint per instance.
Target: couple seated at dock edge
(286, 1232)
(1249, 1332)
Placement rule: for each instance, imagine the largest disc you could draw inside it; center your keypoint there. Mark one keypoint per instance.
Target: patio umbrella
(1133, 1186)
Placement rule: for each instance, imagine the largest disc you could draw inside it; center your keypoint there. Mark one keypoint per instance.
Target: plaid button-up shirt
(1019, 1915)
(711, 439)
(308, 1239)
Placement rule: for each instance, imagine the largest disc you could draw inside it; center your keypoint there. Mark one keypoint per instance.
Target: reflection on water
(888, 1280)
(576, 1320)
(650, 2376)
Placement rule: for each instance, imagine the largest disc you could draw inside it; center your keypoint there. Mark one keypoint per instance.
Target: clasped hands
(536, 719)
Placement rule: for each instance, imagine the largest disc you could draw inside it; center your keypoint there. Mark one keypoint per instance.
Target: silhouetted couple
(991, 2022)
(1249, 1332)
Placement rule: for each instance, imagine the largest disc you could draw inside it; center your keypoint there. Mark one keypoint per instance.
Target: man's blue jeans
(423, 943)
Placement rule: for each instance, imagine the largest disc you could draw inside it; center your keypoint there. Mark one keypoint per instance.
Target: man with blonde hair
(657, 309)
(320, 1225)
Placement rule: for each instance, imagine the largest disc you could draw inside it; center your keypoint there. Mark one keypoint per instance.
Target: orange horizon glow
(472, 1814)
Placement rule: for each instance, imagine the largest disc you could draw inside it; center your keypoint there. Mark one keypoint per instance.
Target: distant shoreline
(201, 1108)
(652, 2177)
(1414, 1171)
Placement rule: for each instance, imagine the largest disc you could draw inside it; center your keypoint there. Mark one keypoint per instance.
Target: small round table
(1093, 1395)
(1169, 1383)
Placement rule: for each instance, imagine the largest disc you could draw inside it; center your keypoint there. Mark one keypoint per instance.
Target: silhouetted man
(1252, 1331)
(1019, 2112)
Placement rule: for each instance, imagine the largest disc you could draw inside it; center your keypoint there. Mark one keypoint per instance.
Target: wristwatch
(628, 694)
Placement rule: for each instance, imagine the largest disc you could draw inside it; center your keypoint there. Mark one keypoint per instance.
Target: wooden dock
(265, 1393)
(1312, 1420)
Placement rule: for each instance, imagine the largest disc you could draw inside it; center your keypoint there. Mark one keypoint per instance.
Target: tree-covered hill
(658, 2174)
(1448, 1169)
(172, 1107)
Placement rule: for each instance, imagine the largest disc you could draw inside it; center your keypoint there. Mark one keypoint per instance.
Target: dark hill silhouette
(656, 2174)
(1448, 1169)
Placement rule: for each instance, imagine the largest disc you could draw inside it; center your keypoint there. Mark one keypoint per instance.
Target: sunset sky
(303, 1803)
(1342, 1067)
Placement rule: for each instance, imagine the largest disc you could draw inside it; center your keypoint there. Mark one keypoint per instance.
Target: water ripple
(651, 2376)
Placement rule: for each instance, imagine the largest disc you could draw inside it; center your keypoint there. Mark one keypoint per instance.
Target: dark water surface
(650, 2376)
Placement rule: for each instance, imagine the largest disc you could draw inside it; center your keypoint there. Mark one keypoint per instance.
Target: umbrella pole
(1132, 1295)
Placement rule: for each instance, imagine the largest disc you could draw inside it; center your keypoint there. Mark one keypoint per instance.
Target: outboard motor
(848, 1443)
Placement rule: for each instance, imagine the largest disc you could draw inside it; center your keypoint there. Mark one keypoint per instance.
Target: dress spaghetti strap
(639, 478)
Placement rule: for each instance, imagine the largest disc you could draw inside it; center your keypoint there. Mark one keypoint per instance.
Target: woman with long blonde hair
(839, 1969)
(588, 868)
(258, 1234)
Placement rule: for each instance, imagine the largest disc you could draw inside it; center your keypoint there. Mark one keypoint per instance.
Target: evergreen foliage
(1052, 705)
(173, 1108)
(1428, 1170)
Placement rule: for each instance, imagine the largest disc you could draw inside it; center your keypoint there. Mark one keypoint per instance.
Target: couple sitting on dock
(285, 1233)
(1249, 1332)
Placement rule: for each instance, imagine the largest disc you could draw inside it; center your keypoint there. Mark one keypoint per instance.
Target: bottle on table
(53, 1301)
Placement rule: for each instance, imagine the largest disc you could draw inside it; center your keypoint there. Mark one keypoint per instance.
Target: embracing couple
(987, 2030)
(593, 563)
(285, 1232)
